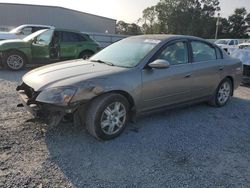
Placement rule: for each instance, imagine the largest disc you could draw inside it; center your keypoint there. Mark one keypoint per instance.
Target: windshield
(126, 53)
(221, 42)
(15, 30)
(33, 35)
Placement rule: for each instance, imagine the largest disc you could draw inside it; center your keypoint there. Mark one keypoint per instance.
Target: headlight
(59, 96)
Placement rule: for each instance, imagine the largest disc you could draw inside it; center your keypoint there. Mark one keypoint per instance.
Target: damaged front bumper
(51, 114)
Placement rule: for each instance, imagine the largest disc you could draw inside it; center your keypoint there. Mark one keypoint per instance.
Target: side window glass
(69, 37)
(218, 53)
(81, 38)
(176, 53)
(202, 52)
(45, 37)
(236, 42)
(231, 42)
(26, 31)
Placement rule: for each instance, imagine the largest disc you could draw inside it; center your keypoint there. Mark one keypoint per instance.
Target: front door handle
(221, 68)
(188, 75)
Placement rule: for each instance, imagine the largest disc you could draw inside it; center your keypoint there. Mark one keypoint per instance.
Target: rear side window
(70, 37)
(236, 42)
(176, 53)
(202, 52)
(81, 38)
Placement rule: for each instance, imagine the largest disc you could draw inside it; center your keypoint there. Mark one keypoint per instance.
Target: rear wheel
(107, 115)
(223, 93)
(14, 60)
(86, 54)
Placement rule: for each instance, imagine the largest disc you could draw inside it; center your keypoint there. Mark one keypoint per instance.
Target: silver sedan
(131, 77)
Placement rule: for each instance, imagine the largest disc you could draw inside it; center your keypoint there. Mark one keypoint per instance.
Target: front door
(41, 48)
(163, 87)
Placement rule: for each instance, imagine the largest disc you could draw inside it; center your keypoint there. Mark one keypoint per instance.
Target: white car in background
(22, 31)
(227, 44)
(243, 53)
(245, 45)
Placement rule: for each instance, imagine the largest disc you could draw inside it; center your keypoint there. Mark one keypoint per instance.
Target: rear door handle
(188, 75)
(221, 68)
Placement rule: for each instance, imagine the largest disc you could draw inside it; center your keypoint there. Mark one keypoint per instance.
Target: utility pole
(217, 26)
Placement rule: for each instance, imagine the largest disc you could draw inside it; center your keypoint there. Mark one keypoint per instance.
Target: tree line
(188, 17)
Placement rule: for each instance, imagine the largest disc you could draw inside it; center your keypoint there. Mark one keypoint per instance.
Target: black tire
(217, 98)
(96, 111)
(14, 60)
(86, 54)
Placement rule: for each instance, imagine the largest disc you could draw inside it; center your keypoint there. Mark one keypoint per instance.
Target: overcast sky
(127, 10)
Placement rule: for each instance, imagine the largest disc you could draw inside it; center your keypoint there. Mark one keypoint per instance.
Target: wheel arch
(84, 51)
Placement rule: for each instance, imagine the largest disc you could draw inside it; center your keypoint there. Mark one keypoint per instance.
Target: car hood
(7, 35)
(12, 44)
(68, 73)
(11, 41)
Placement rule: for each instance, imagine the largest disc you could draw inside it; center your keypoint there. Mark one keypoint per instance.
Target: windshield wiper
(104, 62)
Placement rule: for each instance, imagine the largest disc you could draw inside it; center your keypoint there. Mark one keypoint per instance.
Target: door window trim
(153, 58)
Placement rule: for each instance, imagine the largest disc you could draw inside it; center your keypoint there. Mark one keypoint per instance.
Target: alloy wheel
(113, 118)
(15, 62)
(224, 92)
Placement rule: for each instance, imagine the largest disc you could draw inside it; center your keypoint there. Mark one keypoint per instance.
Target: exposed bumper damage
(246, 74)
(51, 114)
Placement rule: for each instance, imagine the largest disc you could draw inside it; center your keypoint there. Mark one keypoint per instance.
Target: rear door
(69, 45)
(163, 87)
(206, 69)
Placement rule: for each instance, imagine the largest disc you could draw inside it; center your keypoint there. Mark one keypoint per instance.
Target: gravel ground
(197, 146)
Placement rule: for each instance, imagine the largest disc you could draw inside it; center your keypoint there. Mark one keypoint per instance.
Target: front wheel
(223, 93)
(107, 116)
(86, 55)
(14, 60)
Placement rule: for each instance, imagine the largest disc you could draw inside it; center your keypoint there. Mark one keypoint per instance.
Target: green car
(46, 46)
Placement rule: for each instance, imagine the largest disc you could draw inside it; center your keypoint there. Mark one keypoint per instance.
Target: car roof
(69, 30)
(164, 37)
(35, 25)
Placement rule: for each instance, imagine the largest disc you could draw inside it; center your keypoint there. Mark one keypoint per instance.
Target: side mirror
(159, 64)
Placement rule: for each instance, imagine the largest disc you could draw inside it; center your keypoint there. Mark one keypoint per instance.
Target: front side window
(176, 53)
(202, 52)
(26, 31)
(44, 38)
